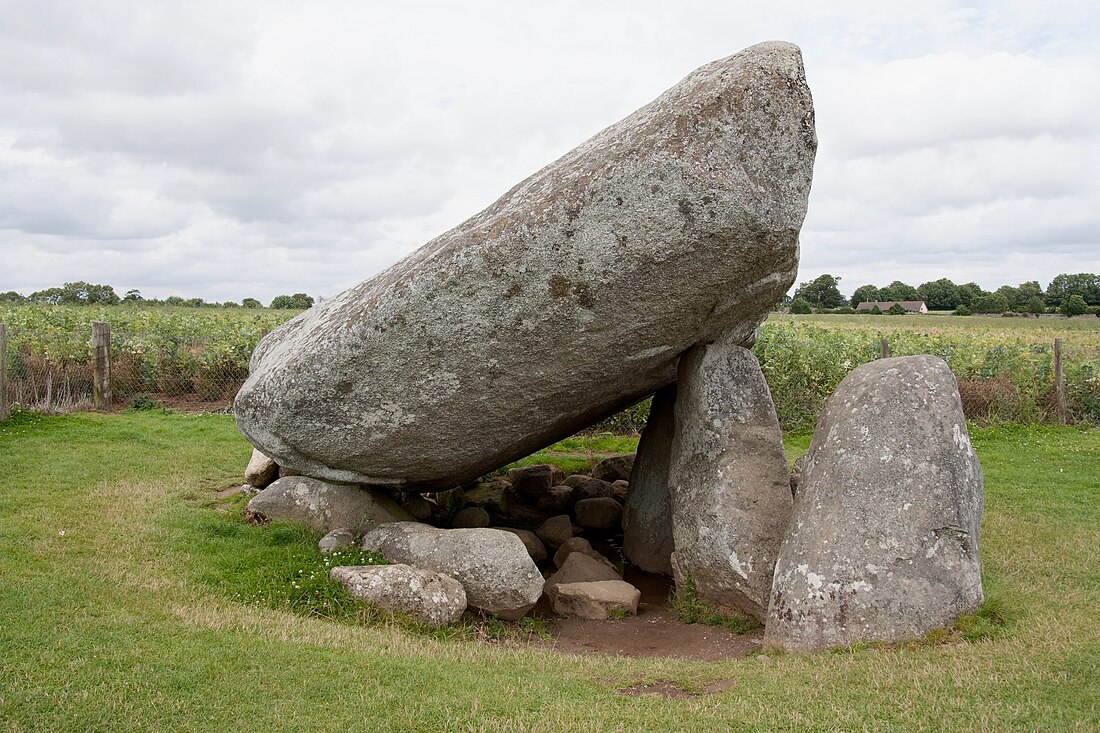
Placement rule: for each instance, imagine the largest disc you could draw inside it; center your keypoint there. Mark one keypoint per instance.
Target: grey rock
(471, 517)
(615, 468)
(595, 600)
(556, 500)
(883, 545)
(535, 548)
(285, 472)
(731, 493)
(581, 545)
(647, 516)
(672, 226)
(531, 481)
(555, 530)
(493, 566)
(586, 487)
(488, 493)
(250, 490)
(261, 470)
(580, 568)
(432, 598)
(420, 508)
(324, 506)
(620, 491)
(600, 513)
(337, 539)
(797, 468)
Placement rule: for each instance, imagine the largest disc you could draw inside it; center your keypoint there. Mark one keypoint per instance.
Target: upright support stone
(101, 365)
(731, 492)
(647, 517)
(4, 409)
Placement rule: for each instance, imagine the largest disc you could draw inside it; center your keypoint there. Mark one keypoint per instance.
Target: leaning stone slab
(672, 226)
(647, 515)
(493, 565)
(883, 546)
(731, 493)
(324, 506)
(596, 600)
(431, 598)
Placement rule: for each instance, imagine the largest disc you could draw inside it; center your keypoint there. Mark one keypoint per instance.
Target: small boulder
(647, 516)
(883, 545)
(556, 500)
(419, 507)
(586, 487)
(493, 566)
(261, 470)
(580, 568)
(621, 491)
(519, 508)
(595, 600)
(250, 490)
(581, 545)
(324, 506)
(615, 468)
(555, 530)
(337, 539)
(535, 548)
(432, 598)
(531, 481)
(471, 517)
(600, 513)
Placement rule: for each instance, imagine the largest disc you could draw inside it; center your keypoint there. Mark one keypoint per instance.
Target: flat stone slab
(596, 600)
(568, 299)
(429, 597)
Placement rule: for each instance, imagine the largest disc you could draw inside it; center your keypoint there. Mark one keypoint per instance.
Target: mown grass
(128, 620)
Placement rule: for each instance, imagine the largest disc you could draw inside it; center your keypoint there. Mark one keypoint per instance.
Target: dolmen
(640, 263)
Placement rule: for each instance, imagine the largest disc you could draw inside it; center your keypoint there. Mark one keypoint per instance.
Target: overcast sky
(230, 149)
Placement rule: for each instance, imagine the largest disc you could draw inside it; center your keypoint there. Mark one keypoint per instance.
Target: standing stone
(647, 516)
(429, 597)
(568, 299)
(493, 566)
(322, 506)
(731, 493)
(884, 542)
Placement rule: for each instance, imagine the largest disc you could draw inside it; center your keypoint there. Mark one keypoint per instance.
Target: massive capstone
(571, 297)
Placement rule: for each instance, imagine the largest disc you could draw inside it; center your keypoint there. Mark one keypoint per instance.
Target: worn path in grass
(127, 620)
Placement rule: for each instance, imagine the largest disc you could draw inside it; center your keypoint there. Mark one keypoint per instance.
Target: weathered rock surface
(558, 499)
(531, 481)
(583, 546)
(420, 508)
(595, 600)
(337, 539)
(647, 515)
(261, 470)
(586, 487)
(535, 548)
(600, 513)
(670, 227)
(620, 490)
(492, 565)
(883, 545)
(432, 598)
(796, 473)
(615, 468)
(580, 568)
(324, 506)
(731, 492)
(470, 517)
(555, 530)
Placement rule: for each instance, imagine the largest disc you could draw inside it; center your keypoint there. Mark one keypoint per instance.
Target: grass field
(128, 602)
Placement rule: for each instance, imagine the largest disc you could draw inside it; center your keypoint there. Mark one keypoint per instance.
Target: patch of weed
(691, 609)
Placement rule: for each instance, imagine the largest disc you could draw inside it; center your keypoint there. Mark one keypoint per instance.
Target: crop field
(1005, 366)
(135, 598)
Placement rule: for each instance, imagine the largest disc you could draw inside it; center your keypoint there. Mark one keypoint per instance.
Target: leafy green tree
(1035, 305)
(298, 301)
(939, 295)
(1030, 289)
(1085, 284)
(1074, 305)
(864, 294)
(11, 297)
(821, 292)
(174, 300)
(963, 310)
(1012, 296)
(898, 290)
(800, 306)
(49, 296)
(132, 296)
(875, 310)
(896, 310)
(991, 303)
(251, 303)
(969, 293)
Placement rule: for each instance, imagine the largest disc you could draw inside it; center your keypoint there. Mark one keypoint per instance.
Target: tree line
(1070, 294)
(82, 293)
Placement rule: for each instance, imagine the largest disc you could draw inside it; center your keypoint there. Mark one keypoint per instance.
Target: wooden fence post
(3, 371)
(1059, 383)
(884, 349)
(101, 365)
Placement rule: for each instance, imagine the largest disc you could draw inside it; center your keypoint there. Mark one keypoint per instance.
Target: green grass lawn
(132, 599)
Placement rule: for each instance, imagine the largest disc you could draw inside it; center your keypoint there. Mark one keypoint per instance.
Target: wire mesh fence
(189, 368)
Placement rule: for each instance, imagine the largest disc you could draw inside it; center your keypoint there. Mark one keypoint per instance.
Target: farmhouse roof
(913, 306)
